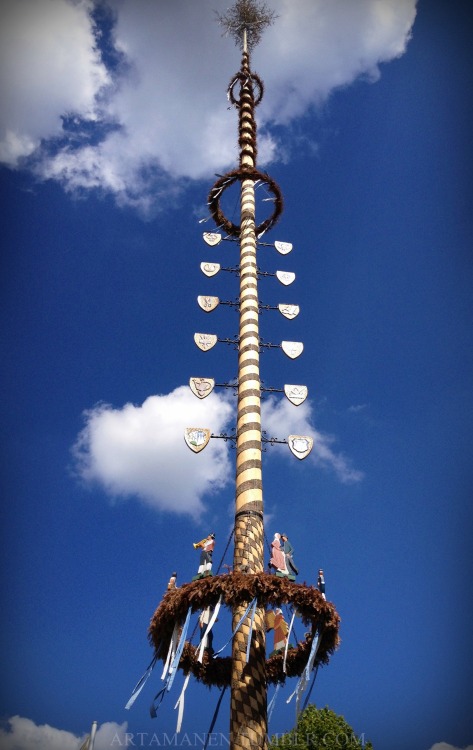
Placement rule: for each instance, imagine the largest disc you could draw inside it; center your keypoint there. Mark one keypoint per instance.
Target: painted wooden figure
(205, 564)
(321, 582)
(278, 559)
(289, 552)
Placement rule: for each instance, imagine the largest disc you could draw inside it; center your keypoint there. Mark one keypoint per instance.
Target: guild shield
(300, 445)
(210, 269)
(292, 349)
(205, 341)
(296, 394)
(283, 247)
(208, 303)
(289, 311)
(196, 438)
(201, 387)
(285, 277)
(212, 238)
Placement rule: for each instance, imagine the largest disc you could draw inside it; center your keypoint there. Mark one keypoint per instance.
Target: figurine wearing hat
(172, 582)
(321, 582)
(205, 564)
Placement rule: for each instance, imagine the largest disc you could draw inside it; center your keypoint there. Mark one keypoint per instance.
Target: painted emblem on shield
(212, 238)
(208, 303)
(292, 349)
(289, 311)
(196, 438)
(296, 394)
(205, 341)
(210, 269)
(300, 445)
(283, 247)
(285, 277)
(201, 387)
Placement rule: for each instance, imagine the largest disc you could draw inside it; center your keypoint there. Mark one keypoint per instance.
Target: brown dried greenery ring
(243, 78)
(240, 589)
(228, 179)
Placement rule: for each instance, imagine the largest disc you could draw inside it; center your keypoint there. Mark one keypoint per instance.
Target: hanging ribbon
(253, 610)
(310, 689)
(237, 628)
(141, 683)
(305, 676)
(171, 650)
(177, 655)
(180, 703)
(214, 718)
(209, 627)
(272, 702)
(287, 641)
(153, 709)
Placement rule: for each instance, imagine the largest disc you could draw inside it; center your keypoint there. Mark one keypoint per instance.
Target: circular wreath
(228, 179)
(243, 77)
(239, 589)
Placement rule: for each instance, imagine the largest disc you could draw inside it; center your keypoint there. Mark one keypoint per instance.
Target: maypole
(248, 591)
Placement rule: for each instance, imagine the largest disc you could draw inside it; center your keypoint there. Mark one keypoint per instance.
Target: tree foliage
(320, 729)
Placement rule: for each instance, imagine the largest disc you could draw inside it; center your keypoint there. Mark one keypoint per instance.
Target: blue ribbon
(236, 629)
(251, 630)
(141, 683)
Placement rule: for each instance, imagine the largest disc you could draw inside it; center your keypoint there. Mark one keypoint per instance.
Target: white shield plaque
(212, 238)
(296, 394)
(205, 341)
(283, 247)
(285, 277)
(300, 445)
(201, 387)
(196, 438)
(289, 311)
(210, 269)
(208, 303)
(293, 349)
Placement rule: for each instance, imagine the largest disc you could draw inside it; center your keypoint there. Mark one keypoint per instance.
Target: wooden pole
(248, 714)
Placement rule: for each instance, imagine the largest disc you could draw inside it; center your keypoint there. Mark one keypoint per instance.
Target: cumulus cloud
(19, 733)
(279, 416)
(161, 113)
(140, 450)
(446, 746)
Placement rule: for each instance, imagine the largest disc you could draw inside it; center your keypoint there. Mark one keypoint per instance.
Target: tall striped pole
(248, 720)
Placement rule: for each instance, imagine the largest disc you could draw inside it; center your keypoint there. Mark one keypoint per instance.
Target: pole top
(245, 21)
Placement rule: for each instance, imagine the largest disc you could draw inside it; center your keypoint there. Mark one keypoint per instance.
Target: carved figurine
(172, 582)
(278, 559)
(275, 621)
(288, 552)
(321, 582)
(205, 564)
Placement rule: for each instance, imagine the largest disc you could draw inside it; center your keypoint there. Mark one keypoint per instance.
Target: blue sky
(107, 160)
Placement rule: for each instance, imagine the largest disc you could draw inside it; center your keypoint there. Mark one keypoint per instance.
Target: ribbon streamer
(171, 650)
(214, 718)
(272, 702)
(253, 610)
(141, 683)
(177, 656)
(180, 703)
(236, 629)
(209, 627)
(287, 642)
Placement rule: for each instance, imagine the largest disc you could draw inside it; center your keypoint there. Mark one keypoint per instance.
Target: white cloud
(281, 419)
(168, 102)
(140, 450)
(446, 746)
(23, 734)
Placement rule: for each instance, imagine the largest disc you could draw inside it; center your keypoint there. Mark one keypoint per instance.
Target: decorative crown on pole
(245, 21)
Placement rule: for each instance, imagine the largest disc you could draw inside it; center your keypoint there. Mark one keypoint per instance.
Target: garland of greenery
(237, 589)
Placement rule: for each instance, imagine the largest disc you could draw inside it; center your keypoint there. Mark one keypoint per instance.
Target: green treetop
(320, 729)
